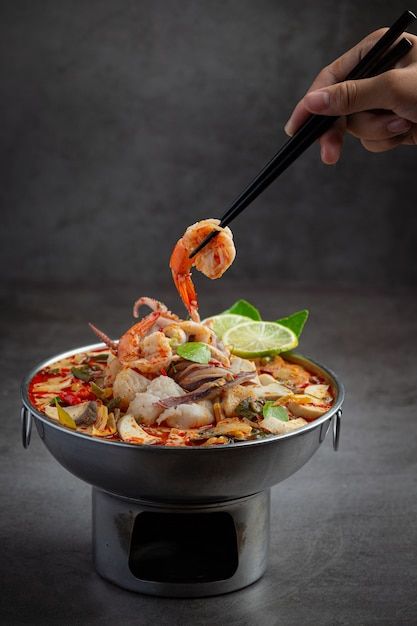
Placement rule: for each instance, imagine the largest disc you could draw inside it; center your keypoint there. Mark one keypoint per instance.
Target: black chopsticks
(374, 62)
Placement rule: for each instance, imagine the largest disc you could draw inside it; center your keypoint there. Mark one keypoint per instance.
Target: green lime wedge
(256, 339)
(222, 323)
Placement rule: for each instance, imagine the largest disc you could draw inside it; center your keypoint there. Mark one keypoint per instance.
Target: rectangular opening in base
(183, 547)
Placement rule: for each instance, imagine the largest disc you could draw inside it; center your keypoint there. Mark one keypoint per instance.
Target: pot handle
(337, 423)
(26, 417)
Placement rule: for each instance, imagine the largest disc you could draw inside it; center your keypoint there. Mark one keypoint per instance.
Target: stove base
(184, 551)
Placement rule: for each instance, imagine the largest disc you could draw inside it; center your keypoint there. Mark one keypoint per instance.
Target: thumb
(353, 96)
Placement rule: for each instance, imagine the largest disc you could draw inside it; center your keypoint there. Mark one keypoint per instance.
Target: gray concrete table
(344, 527)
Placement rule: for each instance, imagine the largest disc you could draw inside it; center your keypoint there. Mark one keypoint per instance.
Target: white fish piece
(128, 383)
(188, 415)
(164, 387)
(130, 431)
(145, 408)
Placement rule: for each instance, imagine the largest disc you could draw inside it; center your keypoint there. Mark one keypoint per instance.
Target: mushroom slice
(234, 427)
(271, 391)
(309, 412)
(278, 427)
(318, 391)
(130, 431)
(84, 413)
(266, 379)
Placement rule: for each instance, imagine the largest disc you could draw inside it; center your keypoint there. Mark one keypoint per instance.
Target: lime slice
(222, 323)
(255, 339)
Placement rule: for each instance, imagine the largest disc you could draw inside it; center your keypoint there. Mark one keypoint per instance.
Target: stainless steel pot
(187, 475)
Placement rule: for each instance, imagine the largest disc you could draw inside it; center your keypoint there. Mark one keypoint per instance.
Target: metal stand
(180, 550)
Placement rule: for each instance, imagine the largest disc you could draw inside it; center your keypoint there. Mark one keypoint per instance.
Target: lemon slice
(256, 339)
(222, 323)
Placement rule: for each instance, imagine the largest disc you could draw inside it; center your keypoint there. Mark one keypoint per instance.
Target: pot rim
(328, 374)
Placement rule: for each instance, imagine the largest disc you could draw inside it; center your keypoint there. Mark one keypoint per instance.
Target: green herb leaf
(65, 418)
(279, 412)
(194, 351)
(295, 322)
(83, 373)
(245, 308)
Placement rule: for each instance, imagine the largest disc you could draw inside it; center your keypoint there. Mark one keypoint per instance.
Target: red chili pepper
(81, 395)
(69, 398)
(164, 372)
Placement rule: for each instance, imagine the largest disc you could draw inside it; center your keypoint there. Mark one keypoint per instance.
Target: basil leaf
(279, 412)
(295, 322)
(245, 308)
(194, 351)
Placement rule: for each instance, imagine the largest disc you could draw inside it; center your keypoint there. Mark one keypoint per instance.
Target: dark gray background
(123, 122)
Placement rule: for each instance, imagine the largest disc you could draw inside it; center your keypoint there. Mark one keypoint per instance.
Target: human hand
(380, 111)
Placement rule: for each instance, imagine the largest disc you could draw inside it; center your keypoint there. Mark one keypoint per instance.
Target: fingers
(331, 143)
(383, 145)
(353, 96)
(333, 73)
(376, 126)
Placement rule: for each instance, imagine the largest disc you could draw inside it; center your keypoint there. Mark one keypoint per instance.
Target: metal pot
(183, 474)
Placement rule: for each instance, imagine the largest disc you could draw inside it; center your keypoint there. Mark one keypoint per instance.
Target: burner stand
(180, 550)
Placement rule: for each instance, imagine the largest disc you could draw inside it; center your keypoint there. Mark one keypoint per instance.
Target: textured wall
(124, 121)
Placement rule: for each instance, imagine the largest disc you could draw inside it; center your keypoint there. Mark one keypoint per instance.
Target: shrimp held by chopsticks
(213, 260)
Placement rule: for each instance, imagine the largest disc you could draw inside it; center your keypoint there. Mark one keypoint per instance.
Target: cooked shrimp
(213, 260)
(181, 332)
(144, 350)
(175, 333)
(197, 332)
(156, 354)
(129, 347)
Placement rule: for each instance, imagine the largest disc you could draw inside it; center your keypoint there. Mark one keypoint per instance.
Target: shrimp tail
(104, 338)
(180, 265)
